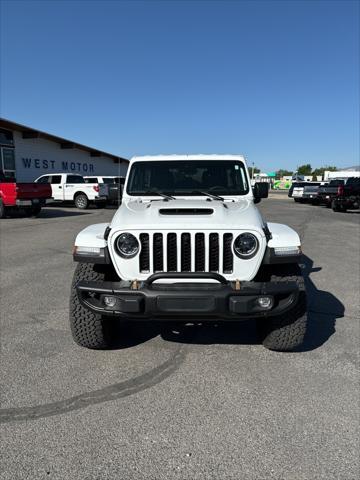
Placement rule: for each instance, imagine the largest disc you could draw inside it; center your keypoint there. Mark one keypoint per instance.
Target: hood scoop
(186, 211)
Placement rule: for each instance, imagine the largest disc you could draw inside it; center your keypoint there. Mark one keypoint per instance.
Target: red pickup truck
(27, 196)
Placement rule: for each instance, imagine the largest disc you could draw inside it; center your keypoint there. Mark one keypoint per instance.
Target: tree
(282, 173)
(319, 172)
(305, 169)
(256, 170)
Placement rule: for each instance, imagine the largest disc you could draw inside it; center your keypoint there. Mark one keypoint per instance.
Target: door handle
(60, 186)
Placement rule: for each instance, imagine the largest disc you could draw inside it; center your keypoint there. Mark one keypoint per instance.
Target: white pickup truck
(188, 244)
(68, 187)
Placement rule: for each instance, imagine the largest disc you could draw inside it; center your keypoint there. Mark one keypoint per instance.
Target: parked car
(188, 244)
(310, 193)
(69, 187)
(327, 193)
(115, 186)
(303, 192)
(348, 196)
(29, 197)
(296, 191)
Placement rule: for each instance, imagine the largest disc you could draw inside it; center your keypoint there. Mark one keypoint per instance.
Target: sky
(277, 81)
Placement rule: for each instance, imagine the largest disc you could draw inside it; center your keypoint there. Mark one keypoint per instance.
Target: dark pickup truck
(327, 193)
(310, 193)
(348, 196)
(115, 186)
(29, 197)
(304, 192)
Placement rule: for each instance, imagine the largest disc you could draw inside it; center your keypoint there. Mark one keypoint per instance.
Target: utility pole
(252, 173)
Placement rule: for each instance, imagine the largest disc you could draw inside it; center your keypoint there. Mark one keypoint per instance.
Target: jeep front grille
(186, 252)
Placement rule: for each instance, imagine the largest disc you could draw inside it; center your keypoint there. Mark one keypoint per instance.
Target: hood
(190, 214)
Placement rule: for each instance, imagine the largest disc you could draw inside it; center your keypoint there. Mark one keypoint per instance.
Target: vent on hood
(186, 211)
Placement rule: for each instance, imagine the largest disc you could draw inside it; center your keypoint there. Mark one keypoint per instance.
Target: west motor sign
(56, 165)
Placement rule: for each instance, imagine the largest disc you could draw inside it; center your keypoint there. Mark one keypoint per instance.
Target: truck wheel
(286, 332)
(35, 211)
(337, 208)
(2, 210)
(100, 204)
(88, 329)
(81, 201)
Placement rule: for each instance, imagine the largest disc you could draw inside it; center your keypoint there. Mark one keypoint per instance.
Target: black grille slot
(214, 252)
(158, 252)
(227, 253)
(144, 254)
(199, 252)
(171, 252)
(185, 252)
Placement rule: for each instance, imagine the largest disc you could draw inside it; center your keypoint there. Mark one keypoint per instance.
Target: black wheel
(89, 329)
(81, 201)
(297, 200)
(336, 207)
(2, 210)
(286, 332)
(100, 204)
(35, 211)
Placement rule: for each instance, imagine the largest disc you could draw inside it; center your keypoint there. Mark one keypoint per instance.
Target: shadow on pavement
(46, 212)
(323, 310)
(55, 213)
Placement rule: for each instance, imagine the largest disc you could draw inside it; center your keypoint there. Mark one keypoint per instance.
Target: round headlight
(127, 245)
(246, 245)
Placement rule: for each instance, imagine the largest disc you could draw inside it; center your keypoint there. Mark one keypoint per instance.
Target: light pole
(252, 172)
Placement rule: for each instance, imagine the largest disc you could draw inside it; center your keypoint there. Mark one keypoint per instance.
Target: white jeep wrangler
(188, 245)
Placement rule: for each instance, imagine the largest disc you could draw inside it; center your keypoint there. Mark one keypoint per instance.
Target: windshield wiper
(168, 197)
(210, 195)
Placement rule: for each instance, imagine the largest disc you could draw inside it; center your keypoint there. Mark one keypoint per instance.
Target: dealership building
(26, 153)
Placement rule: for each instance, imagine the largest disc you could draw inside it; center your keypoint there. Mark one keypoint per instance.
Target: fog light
(265, 302)
(110, 301)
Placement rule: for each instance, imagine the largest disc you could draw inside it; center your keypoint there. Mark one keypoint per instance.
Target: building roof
(355, 168)
(28, 132)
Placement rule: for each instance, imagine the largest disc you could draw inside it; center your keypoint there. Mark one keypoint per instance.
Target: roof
(355, 168)
(29, 132)
(188, 157)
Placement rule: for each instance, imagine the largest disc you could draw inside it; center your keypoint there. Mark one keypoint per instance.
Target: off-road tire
(81, 201)
(286, 332)
(88, 329)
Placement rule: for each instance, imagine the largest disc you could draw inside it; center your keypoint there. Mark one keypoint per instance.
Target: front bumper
(224, 300)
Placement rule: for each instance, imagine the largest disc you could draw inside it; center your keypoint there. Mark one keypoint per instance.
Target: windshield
(191, 177)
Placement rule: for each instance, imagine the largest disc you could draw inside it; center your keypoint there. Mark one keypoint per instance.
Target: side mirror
(260, 190)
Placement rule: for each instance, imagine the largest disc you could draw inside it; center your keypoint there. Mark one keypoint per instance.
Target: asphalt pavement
(194, 403)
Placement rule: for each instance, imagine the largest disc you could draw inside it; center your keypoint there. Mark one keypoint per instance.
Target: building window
(7, 161)
(6, 137)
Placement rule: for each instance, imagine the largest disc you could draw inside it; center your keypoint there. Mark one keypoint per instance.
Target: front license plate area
(185, 304)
